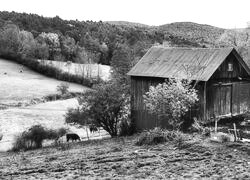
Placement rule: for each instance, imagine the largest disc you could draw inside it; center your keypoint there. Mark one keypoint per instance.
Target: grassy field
(121, 159)
(20, 87)
(86, 70)
(17, 87)
(50, 115)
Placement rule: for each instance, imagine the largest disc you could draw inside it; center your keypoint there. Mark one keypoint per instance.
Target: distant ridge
(127, 23)
(201, 33)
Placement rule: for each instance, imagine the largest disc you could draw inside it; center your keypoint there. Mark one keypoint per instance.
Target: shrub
(33, 137)
(151, 137)
(196, 126)
(61, 132)
(63, 88)
(170, 101)
(206, 132)
(20, 143)
(126, 128)
(157, 135)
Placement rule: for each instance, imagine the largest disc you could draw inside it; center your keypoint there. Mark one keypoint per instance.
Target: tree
(170, 100)
(27, 46)
(121, 62)
(81, 55)
(240, 40)
(52, 40)
(9, 40)
(68, 47)
(41, 49)
(105, 107)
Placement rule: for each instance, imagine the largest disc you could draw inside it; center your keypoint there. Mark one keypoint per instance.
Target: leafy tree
(105, 107)
(41, 49)
(81, 55)
(170, 101)
(240, 40)
(121, 62)
(68, 47)
(52, 40)
(9, 40)
(27, 47)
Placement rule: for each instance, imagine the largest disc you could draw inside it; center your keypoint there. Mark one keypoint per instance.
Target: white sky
(220, 13)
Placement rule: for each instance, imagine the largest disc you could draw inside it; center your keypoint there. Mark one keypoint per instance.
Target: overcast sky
(220, 13)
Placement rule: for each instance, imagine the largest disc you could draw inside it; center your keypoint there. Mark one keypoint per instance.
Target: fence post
(235, 132)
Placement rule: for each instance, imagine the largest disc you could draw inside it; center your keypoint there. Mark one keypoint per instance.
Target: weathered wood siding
(228, 92)
(223, 75)
(145, 120)
(139, 86)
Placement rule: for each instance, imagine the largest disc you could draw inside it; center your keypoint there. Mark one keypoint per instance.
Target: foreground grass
(121, 159)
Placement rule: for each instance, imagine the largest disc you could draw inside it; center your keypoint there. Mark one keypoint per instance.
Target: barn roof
(184, 63)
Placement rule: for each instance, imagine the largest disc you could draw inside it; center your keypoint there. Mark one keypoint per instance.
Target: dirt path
(121, 159)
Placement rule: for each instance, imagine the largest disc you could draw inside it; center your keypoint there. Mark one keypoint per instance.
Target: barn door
(222, 100)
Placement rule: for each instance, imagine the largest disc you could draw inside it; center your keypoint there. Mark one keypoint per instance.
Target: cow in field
(72, 137)
(93, 128)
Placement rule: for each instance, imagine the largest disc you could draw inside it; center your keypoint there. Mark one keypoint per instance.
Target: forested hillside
(54, 38)
(33, 36)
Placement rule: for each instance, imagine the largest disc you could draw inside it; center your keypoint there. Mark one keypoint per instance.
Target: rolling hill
(200, 33)
(190, 32)
(127, 23)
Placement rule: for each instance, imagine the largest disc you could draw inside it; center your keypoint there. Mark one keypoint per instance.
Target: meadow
(18, 94)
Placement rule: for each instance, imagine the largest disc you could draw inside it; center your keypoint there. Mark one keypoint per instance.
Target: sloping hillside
(19, 84)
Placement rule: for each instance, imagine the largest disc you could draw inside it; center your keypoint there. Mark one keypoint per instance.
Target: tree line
(31, 35)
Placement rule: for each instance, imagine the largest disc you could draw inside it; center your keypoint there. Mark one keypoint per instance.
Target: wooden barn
(220, 75)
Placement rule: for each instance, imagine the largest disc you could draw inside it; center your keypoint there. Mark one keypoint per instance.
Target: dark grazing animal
(93, 128)
(73, 137)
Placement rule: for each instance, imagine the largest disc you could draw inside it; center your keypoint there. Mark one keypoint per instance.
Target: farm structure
(220, 75)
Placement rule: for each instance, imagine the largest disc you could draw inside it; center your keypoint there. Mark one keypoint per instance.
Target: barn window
(230, 67)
